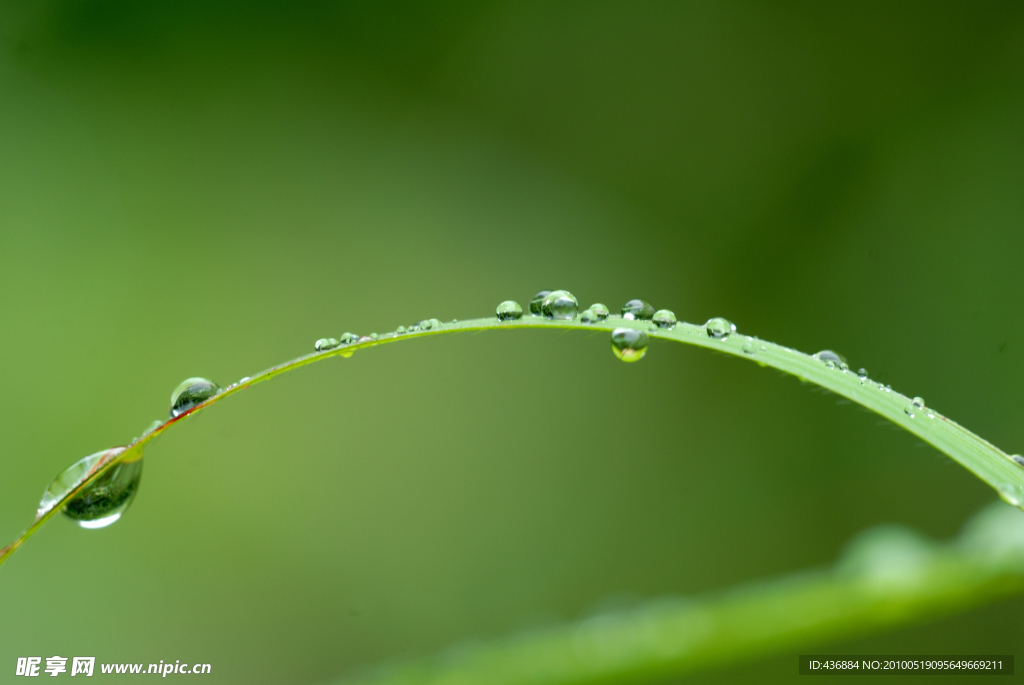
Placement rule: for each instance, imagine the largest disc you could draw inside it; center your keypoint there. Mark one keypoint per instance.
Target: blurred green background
(201, 188)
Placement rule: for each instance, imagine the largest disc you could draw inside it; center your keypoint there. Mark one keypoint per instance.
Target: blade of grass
(986, 461)
(888, 577)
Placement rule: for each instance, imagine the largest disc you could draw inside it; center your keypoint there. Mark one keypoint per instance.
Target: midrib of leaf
(983, 459)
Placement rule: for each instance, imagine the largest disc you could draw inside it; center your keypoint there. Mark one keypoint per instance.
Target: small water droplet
(719, 328)
(190, 392)
(400, 330)
(348, 338)
(748, 347)
(156, 423)
(537, 301)
(762, 348)
(509, 310)
(664, 318)
(830, 356)
(244, 380)
(1019, 460)
(560, 304)
(325, 344)
(589, 316)
(599, 310)
(1011, 494)
(365, 338)
(628, 344)
(373, 336)
(862, 374)
(638, 309)
(918, 402)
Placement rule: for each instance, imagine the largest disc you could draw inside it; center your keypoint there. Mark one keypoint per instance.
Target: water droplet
(373, 336)
(638, 309)
(628, 344)
(664, 318)
(589, 316)
(509, 310)
(748, 347)
(325, 344)
(400, 330)
(830, 356)
(862, 374)
(918, 402)
(365, 338)
(560, 304)
(104, 500)
(71, 477)
(156, 423)
(599, 310)
(719, 328)
(1019, 460)
(1011, 494)
(190, 392)
(537, 301)
(348, 338)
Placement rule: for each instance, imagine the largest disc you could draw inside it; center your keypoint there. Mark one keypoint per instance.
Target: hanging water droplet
(71, 477)
(638, 309)
(190, 392)
(348, 338)
(537, 301)
(509, 310)
(719, 328)
(628, 344)
(748, 347)
(560, 304)
(589, 316)
(102, 502)
(600, 311)
(325, 344)
(1019, 460)
(1011, 494)
(664, 318)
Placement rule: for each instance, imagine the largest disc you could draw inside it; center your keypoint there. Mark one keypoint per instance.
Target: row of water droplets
(104, 500)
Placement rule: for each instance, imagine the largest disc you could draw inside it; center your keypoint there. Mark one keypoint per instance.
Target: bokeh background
(205, 188)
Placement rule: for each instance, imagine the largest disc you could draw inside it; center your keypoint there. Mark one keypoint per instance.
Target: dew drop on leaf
(600, 311)
(560, 304)
(509, 310)
(748, 347)
(537, 301)
(325, 344)
(831, 359)
(665, 318)
(1018, 460)
(589, 316)
(719, 328)
(638, 309)
(348, 338)
(628, 344)
(1011, 494)
(104, 500)
(190, 392)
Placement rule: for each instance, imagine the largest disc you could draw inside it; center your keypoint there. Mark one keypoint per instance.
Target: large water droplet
(638, 309)
(509, 310)
(348, 338)
(560, 304)
(104, 500)
(628, 344)
(325, 344)
(1011, 494)
(829, 356)
(720, 328)
(600, 311)
(190, 392)
(664, 318)
(537, 301)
